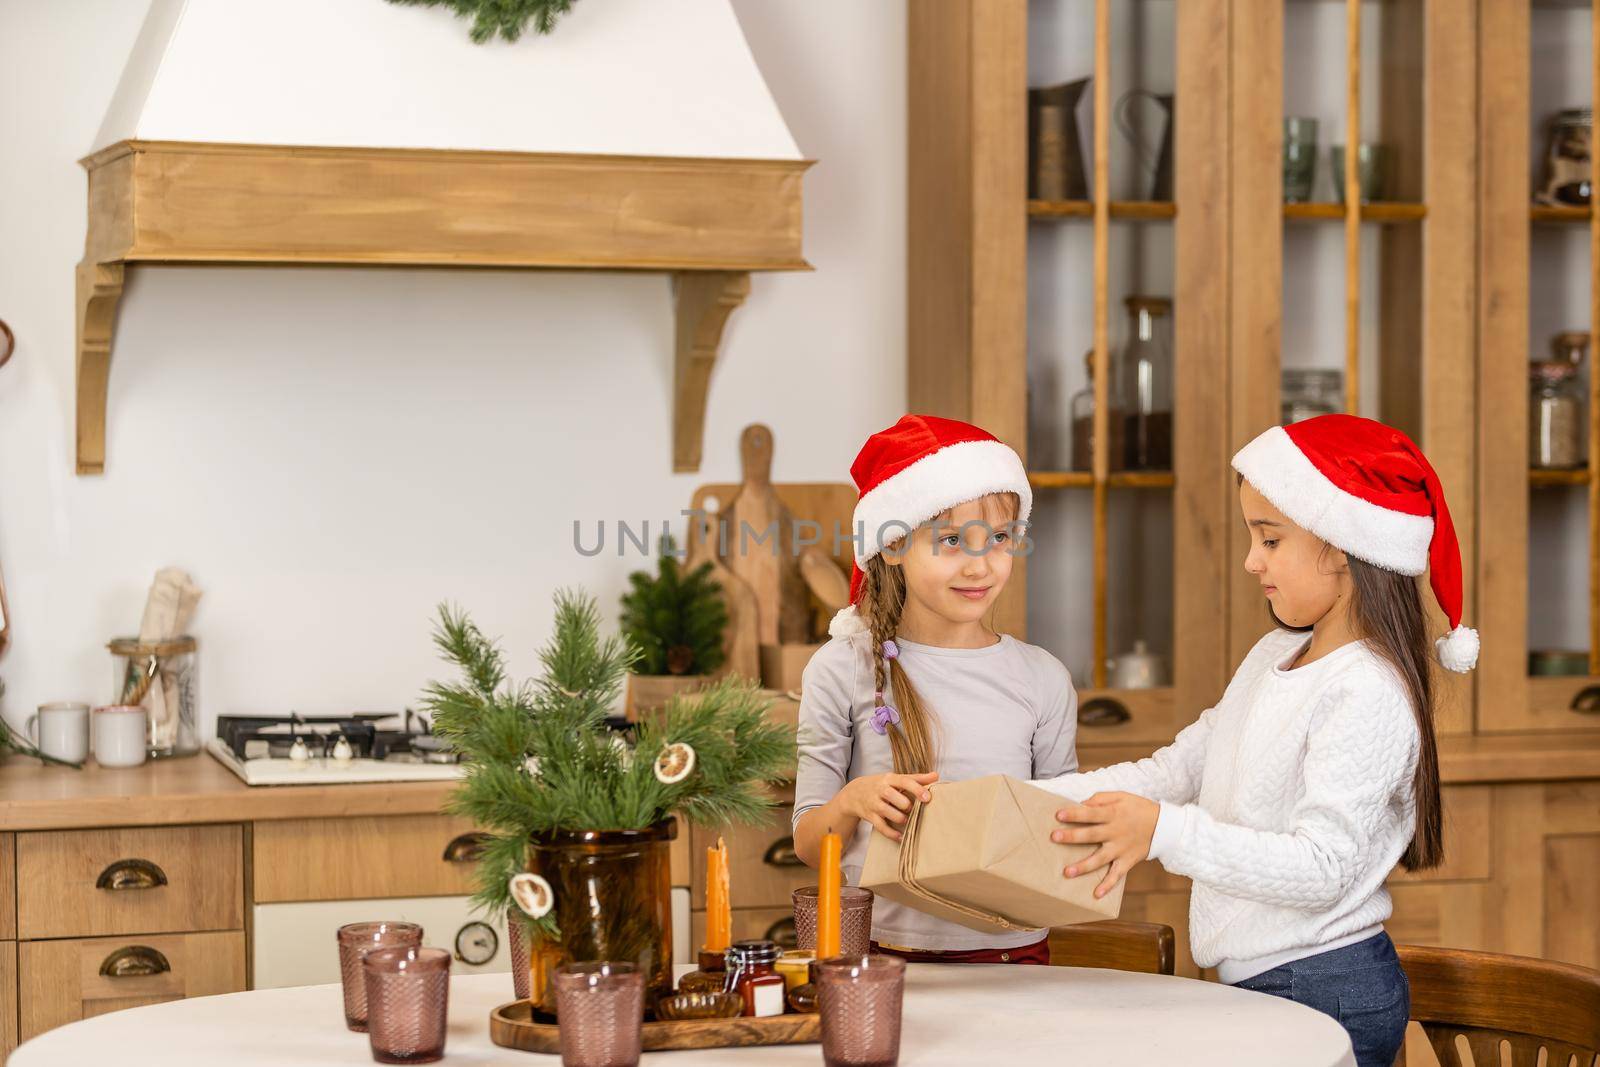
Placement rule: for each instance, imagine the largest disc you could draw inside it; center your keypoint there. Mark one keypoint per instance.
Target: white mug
(61, 731)
(119, 735)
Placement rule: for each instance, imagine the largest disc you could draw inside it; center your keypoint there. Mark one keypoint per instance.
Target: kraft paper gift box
(982, 854)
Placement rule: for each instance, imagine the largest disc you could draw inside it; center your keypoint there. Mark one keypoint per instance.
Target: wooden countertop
(1495, 758)
(198, 789)
(193, 789)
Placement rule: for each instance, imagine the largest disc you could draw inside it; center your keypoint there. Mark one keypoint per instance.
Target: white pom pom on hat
(1367, 489)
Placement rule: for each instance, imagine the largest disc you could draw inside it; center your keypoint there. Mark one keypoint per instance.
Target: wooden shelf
(1558, 213)
(1116, 480)
(1131, 210)
(708, 222)
(1379, 213)
(1540, 478)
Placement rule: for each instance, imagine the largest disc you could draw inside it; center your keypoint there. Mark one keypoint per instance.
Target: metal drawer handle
(131, 874)
(781, 853)
(1588, 700)
(465, 848)
(784, 933)
(1103, 711)
(134, 961)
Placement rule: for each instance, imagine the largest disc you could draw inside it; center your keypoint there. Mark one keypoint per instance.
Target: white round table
(955, 1016)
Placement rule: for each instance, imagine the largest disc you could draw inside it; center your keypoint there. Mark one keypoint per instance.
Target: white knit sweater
(1288, 804)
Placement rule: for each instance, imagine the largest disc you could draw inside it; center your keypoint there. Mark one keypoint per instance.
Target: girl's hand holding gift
(884, 799)
(1122, 824)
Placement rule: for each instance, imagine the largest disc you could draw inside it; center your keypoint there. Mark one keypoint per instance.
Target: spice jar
(1566, 158)
(751, 974)
(162, 677)
(1556, 431)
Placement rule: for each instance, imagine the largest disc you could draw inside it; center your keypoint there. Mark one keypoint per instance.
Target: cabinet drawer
(763, 871)
(81, 883)
(69, 980)
(750, 924)
(361, 858)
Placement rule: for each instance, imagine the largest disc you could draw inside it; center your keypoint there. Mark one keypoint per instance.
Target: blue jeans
(1360, 985)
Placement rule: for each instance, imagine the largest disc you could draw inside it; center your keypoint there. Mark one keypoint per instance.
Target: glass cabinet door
(1541, 661)
(1355, 290)
(1125, 356)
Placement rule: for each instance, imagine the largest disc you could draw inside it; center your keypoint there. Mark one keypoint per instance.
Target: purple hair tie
(883, 717)
(891, 650)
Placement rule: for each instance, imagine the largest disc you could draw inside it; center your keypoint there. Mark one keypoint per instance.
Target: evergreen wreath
(676, 618)
(541, 758)
(508, 18)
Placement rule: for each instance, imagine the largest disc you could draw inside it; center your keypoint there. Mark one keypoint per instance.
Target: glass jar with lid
(1142, 387)
(1557, 430)
(752, 973)
(1309, 392)
(163, 677)
(1083, 425)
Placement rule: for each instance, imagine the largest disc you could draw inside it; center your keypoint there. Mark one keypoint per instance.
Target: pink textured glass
(855, 919)
(599, 1007)
(859, 1000)
(517, 945)
(355, 941)
(408, 1002)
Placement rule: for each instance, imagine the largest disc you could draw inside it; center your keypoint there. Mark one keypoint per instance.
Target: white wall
(332, 452)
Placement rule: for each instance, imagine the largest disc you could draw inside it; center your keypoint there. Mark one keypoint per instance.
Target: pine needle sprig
(540, 757)
(507, 18)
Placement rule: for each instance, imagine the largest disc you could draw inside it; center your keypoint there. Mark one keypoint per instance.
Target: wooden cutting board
(758, 545)
(742, 648)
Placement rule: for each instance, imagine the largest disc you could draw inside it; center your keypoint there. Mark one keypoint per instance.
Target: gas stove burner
(381, 736)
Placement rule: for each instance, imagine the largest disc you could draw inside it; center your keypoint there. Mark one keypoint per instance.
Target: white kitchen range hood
(639, 135)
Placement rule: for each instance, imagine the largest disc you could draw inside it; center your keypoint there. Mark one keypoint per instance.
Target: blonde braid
(883, 597)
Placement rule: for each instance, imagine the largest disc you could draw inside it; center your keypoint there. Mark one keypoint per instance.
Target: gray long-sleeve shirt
(1008, 708)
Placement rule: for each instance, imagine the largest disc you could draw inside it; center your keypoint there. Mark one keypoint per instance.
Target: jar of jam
(752, 975)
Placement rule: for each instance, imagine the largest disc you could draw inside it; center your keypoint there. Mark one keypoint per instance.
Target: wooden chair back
(1490, 1000)
(1121, 946)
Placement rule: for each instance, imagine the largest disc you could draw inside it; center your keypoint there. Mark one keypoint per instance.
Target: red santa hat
(1367, 489)
(916, 469)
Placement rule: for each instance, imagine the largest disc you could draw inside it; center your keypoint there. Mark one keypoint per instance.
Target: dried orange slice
(675, 763)
(532, 894)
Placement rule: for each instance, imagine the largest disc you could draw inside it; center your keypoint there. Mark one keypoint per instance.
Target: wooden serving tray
(512, 1026)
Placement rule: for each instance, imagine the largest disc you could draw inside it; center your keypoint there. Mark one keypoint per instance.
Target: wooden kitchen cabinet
(68, 980)
(763, 871)
(121, 881)
(356, 858)
(8, 998)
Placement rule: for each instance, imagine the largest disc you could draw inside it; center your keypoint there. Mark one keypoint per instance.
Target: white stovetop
(320, 771)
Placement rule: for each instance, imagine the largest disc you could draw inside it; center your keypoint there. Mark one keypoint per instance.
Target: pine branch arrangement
(540, 757)
(507, 18)
(677, 618)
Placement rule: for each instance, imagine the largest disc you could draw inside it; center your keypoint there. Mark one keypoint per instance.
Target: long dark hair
(1386, 611)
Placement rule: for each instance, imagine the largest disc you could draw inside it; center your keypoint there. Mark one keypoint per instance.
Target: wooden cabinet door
(356, 858)
(70, 980)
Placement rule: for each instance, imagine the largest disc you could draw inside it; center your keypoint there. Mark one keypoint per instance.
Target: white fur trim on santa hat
(1458, 649)
(933, 484)
(1383, 537)
(846, 622)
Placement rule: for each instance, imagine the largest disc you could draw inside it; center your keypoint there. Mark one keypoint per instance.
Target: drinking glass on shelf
(1299, 159)
(1372, 171)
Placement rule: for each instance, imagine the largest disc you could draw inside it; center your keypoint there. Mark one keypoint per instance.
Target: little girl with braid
(914, 686)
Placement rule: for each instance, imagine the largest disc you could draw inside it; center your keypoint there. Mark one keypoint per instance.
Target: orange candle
(828, 879)
(719, 913)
